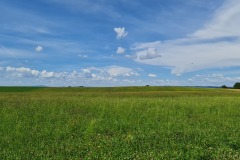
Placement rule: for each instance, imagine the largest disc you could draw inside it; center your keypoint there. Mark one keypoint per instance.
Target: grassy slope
(119, 123)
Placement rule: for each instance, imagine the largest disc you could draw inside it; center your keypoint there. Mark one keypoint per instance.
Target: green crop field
(119, 123)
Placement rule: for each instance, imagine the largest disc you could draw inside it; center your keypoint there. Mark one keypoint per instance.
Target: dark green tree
(236, 85)
(224, 86)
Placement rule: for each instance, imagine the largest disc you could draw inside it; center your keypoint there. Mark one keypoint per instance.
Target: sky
(119, 43)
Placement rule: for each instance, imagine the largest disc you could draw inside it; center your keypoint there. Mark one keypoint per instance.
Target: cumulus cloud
(91, 72)
(120, 50)
(115, 75)
(45, 74)
(152, 75)
(149, 53)
(27, 72)
(217, 45)
(86, 70)
(110, 74)
(107, 75)
(120, 71)
(10, 69)
(121, 33)
(39, 49)
(23, 72)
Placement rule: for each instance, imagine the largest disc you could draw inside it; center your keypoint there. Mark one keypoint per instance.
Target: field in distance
(119, 123)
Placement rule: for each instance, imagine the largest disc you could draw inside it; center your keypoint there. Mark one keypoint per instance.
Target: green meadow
(119, 123)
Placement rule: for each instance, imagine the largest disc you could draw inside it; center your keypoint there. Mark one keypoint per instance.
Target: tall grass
(57, 123)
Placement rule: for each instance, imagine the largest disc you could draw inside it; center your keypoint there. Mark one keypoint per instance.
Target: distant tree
(236, 85)
(224, 86)
(147, 85)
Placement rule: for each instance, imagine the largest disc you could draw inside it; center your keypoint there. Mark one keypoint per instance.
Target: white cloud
(91, 72)
(23, 69)
(86, 70)
(23, 72)
(152, 75)
(10, 69)
(131, 56)
(39, 49)
(217, 45)
(45, 74)
(120, 71)
(104, 75)
(214, 79)
(35, 72)
(27, 72)
(60, 46)
(16, 53)
(224, 24)
(121, 33)
(30, 29)
(139, 46)
(110, 75)
(120, 50)
(150, 53)
(83, 56)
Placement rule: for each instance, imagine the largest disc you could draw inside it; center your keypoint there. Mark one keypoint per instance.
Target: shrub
(224, 86)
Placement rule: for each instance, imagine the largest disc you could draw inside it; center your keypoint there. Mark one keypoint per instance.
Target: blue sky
(120, 42)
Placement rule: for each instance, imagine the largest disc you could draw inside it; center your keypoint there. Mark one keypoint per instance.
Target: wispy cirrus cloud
(15, 53)
(55, 45)
(216, 45)
(105, 8)
(16, 20)
(224, 23)
(83, 56)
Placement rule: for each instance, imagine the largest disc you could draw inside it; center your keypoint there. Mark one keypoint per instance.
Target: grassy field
(119, 123)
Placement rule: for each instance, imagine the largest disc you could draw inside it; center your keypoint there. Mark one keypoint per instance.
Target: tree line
(235, 86)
